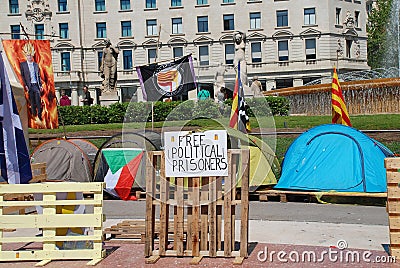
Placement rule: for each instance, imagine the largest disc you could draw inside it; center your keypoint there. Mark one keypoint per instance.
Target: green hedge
(170, 111)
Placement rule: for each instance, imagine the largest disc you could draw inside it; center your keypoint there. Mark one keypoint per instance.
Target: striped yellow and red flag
(339, 111)
(239, 119)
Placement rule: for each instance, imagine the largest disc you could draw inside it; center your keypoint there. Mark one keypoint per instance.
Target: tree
(378, 23)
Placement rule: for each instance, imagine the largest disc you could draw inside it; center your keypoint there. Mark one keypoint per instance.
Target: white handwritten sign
(190, 154)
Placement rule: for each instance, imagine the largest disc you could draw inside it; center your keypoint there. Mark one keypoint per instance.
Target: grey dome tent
(66, 160)
(146, 140)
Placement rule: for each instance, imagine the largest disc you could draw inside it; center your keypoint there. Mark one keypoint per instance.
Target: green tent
(264, 165)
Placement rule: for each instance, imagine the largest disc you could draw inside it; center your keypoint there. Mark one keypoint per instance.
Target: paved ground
(294, 229)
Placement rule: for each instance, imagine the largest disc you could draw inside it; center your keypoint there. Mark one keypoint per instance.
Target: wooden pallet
(392, 166)
(202, 204)
(266, 195)
(134, 231)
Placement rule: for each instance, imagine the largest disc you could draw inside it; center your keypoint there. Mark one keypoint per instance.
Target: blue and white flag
(14, 158)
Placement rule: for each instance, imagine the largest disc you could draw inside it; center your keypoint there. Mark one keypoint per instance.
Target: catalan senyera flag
(160, 80)
(239, 119)
(339, 111)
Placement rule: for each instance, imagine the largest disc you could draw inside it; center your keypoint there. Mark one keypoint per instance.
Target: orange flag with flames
(339, 111)
(40, 90)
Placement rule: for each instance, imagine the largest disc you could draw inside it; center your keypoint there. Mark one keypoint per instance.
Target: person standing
(32, 82)
(87, 100)
(64, 101)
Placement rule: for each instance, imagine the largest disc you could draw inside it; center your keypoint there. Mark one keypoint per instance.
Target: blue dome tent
(334, 157)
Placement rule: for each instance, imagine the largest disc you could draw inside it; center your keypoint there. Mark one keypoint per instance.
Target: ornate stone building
(288, 42)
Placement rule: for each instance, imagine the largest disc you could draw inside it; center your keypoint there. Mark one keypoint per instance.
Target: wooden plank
(189, 214)
(219, 214)
(392, 163)
(393, 192)
(344, 194)
(244, 224)
(164, 208)
(393, 207)
(212, 215)
(51, 187)
(392, 177)
(394, 237)
(149, 221)
(152, 259)
(196, 260)
(235, 170)
(394, 222)
(395, 252)
(204, 199)
(195, 217)
(228, 208)
(179, 217)
(238, 261)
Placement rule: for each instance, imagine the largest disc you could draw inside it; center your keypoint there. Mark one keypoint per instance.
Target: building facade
(288, 42)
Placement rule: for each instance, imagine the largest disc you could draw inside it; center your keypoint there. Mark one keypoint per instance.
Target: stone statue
(219, 77)
(239, 38)
(108, 67)
(256, 87)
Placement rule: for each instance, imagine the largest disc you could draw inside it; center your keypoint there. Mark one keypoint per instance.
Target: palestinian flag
(123, 164)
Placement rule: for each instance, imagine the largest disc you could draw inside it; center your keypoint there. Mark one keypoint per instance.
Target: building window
(256, 52)
(349, 44)
(176, 3)
(309, 16)
(99, 59)
(151, 55)
(101, 30)
(177, 26)
(284, 83)
(62, 5)
(14, 6)
(202, 24)
(151, 4)
(229, 23)
(337, 18)
(203, 55)
(202, 2)
(282, 18)
(126, 28)
(177, 52)
(283, 50)
(357, 18)
(228, 1)
(151, 27)
(15, 32)
(65, 61)
(100, 5)
(229, 53)
(125, 4)
(255, 20)
(39, 31)
(311, 53)
(63, 30)
(127, 59)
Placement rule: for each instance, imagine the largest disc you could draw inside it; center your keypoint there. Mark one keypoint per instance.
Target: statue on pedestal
(239, 38)
(256, 87)
(108, 67)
